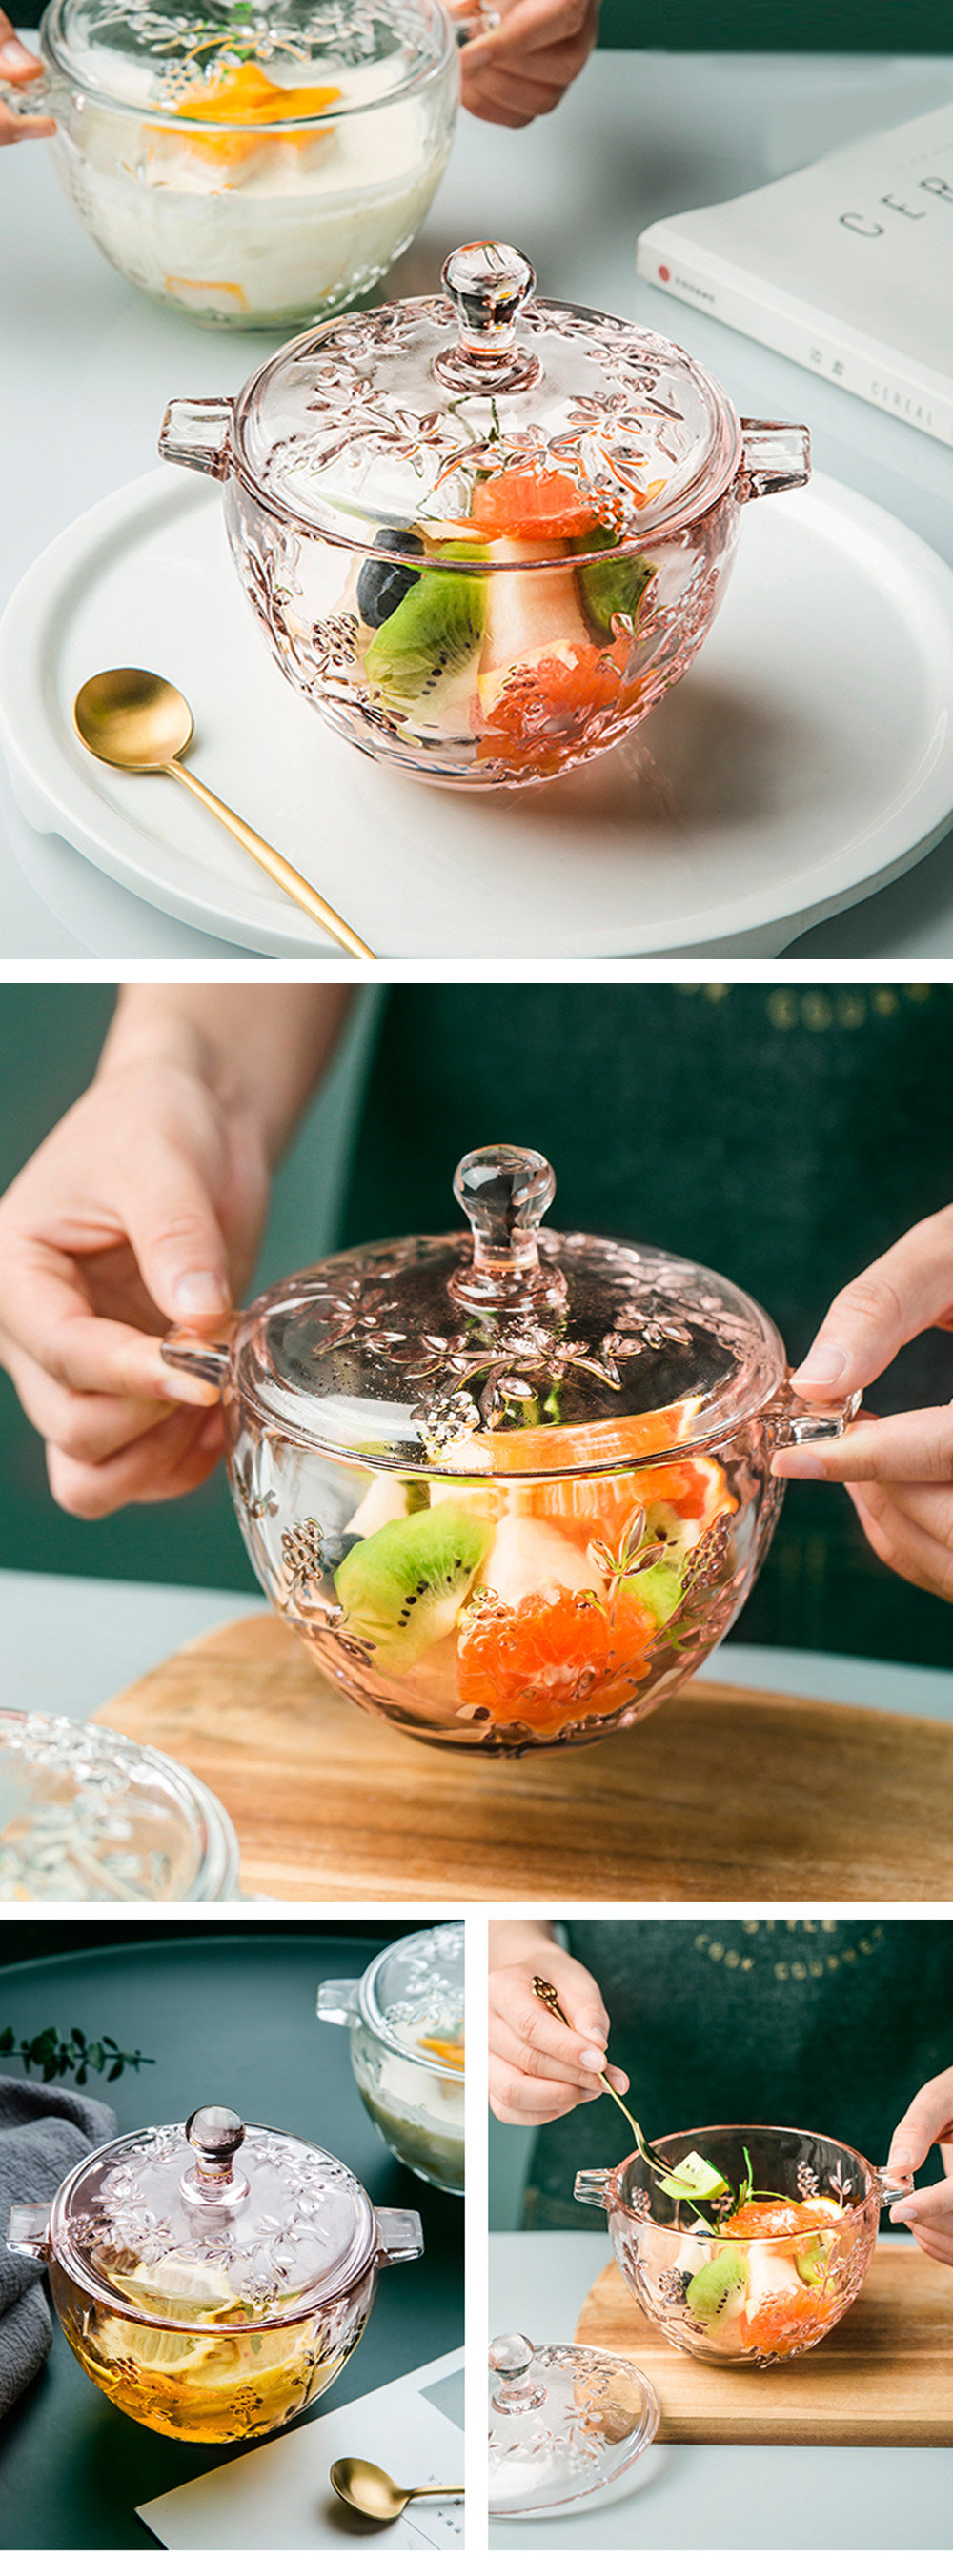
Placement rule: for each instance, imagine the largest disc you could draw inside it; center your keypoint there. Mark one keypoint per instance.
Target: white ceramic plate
(806, 758)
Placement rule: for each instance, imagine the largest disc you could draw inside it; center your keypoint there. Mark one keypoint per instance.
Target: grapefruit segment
(559, 1655)
(531, 501)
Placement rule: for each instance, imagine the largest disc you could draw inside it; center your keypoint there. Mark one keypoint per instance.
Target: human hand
(520, 68)
(538, 2069)
(17, 67)
(145, 1204)
(928, 2123)
(899, 1471)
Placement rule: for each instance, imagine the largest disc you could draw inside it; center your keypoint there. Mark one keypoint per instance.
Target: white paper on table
(280, 2496)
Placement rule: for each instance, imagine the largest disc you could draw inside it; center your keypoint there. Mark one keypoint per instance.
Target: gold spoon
(369, 2489)
(136, 721)
(708, 2181)
(546, 1994)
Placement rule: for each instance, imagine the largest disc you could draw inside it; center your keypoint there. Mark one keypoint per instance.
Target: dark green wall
(756, 26)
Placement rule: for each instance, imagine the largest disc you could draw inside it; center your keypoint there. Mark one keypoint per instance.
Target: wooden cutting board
(884, 2376)
(724, 1793)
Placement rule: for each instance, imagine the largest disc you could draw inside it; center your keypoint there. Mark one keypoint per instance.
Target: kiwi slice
(718, 2290)
(693, 2179)
(401, 1588)
(812, 2257)
(659, 1588)
(614, 588)
(429, 639)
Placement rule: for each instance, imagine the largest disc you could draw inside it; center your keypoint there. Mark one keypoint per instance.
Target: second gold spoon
(136, 721)
(372, 2491)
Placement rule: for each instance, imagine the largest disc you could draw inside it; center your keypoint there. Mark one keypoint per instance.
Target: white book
(846, 266)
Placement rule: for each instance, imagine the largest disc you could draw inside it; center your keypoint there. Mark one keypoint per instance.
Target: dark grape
(381, 586)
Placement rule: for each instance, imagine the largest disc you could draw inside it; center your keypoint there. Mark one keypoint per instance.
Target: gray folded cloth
(45, 2129)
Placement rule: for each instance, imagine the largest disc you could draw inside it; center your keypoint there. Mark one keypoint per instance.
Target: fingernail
(800, 1466)
(593, 2059)
(825, 1365)
(14, 57)
(201, 1292)
(176, 1386)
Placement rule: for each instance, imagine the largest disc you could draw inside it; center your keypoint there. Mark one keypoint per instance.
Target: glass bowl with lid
(252, 169)
(763, 2270)
(510, 1486)
(483, 533)
(213, 2279)
(405, 2017)
(86, 1813)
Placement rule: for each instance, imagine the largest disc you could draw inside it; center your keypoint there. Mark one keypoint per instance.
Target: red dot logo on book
(665, 274)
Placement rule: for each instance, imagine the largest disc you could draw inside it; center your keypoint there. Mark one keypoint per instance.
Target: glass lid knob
(216, 2134)
(488, 283)
(504, 1191)
(510, 2356)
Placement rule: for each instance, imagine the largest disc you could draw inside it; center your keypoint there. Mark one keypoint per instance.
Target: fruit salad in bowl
(484, 533)
(743, 2245)
(252, 172)
(511, 1486)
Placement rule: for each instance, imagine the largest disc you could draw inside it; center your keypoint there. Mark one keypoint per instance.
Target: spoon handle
(280, 869)
(546, 1994)
(414, 2492)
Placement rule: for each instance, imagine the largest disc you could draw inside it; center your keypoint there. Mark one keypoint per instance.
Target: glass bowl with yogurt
(256, 169)
(406, 2022)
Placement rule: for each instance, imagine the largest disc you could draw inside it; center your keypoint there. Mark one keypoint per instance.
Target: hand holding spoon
(695, 2177)
(369, 2489)
(136, 721)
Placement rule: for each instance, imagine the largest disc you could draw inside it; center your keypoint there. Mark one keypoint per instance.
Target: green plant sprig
(56, 2052)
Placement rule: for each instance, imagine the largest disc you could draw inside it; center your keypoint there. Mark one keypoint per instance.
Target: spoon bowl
(133, 719)
(136, 721)
(374, 2493)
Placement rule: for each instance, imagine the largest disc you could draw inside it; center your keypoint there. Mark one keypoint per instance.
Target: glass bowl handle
(400, 2235)
(775, 457)
(792, 1420)
(893, 2186)
(469, 18)
(337, 2001)
(197, 1354)
(594, 2186)
(28, 2229)
(197, 431)
(39, 97)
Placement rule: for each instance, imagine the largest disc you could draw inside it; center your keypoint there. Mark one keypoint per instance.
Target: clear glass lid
(289, 61)
(565, 2419)
(510, 1350)
(497, 428)
(85, 1813)
(412, 1997)
(213, 2224)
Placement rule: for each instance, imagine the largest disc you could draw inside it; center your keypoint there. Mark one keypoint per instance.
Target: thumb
(174, 1230)
(929, 2118)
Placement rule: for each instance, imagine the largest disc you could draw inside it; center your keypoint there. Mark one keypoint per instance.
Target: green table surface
(227, 2019)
